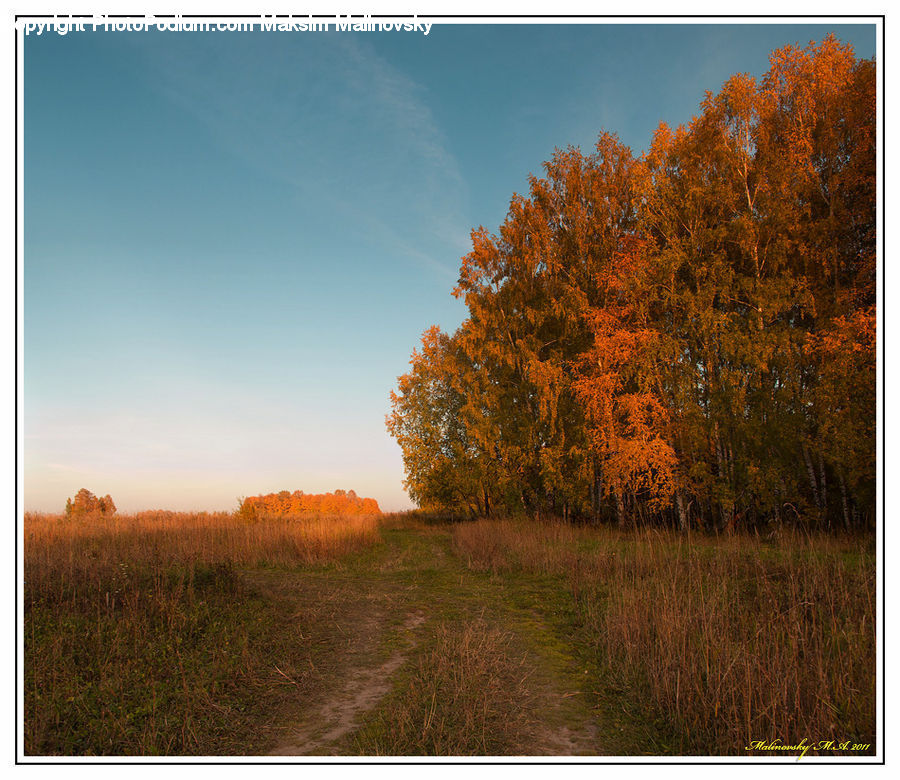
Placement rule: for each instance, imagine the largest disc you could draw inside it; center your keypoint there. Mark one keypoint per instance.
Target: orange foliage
(626, 422)
(286, 504)
(690, 334)
(86, 503)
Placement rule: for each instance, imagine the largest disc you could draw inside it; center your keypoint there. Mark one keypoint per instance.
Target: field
(202, 634)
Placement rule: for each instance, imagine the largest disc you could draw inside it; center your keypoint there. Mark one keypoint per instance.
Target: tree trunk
(824, 489)
(620, 509)
(844, 499)
(597, 492)
(682, 515)
(811, 473)
(726, 512)
(720, 460)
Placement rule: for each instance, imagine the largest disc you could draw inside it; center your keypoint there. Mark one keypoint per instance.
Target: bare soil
(339, 711)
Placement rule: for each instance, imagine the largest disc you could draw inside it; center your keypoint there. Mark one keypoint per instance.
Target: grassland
(143, 637)
(729, 641)
(164, 634)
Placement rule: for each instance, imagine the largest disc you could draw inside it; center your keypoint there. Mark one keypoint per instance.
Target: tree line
(685, 337)
(285, 503)
(86, 503)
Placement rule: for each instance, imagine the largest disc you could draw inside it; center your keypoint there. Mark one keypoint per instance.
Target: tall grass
(141, 636)
(60, 550)
(730, 640)
(468, 695)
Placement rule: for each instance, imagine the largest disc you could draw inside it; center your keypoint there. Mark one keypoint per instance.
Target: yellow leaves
(850, 333)
(625, 425)
(650, 318)
(645, 466)
(287, 504)
(626, 430)
(86, 503)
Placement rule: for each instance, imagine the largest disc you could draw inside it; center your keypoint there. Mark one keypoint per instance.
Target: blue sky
(233, 241)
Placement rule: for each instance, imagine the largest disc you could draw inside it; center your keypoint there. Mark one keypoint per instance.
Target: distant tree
(86, 503)
(106, 505)
(298, 503)
(247, 508)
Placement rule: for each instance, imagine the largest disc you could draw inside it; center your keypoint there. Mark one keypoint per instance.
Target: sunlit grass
(728, 640)
(142, 637)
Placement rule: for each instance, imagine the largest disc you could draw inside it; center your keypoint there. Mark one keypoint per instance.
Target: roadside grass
(468, 694)
(522, 625)
(466, 688)
(720, 642)
(169, 634)
(144, 636)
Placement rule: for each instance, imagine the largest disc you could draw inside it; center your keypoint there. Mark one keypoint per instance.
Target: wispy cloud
(330, 117)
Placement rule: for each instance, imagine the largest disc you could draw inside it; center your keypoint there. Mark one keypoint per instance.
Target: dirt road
(427, 657)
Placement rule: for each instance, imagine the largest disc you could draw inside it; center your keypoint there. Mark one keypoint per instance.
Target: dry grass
(728, 640)
(58, 549)
(142, 638)
(469, 695)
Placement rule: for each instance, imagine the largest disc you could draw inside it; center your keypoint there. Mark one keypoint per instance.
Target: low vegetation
(143, 638)
(468, 695)
(166, 633)
(726, 640)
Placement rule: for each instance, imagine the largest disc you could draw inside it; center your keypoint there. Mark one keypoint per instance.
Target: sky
(233, 241)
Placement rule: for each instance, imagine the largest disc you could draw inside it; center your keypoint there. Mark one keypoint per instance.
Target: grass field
(168, 634)
(729, 640)
(142, 635)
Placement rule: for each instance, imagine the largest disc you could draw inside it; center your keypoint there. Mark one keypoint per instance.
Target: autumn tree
(739, 209)
(287, 504)
(687, 337)
(529, 291)
(86, 503)
(445, 467)
(819, 105)
(618, 384)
